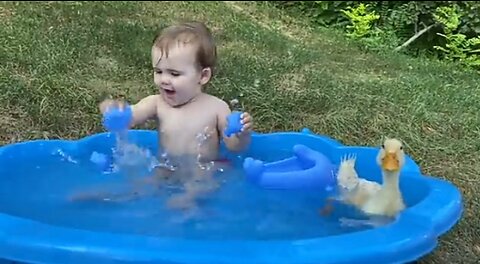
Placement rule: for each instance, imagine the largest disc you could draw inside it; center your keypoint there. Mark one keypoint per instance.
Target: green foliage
(325, 13)
(397, 22)
(403, 15)
(448, 17)
(361, 20)
(470, 19)
(458, 46)
(362, 28)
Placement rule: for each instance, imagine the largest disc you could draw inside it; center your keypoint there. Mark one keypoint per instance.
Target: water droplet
(64, 156)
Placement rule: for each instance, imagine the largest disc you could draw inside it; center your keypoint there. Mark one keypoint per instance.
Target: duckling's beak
(390, 162)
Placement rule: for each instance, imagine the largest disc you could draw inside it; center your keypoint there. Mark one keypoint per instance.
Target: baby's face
(177, 76)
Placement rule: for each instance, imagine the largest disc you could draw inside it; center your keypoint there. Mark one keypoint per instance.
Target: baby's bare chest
(187, 123)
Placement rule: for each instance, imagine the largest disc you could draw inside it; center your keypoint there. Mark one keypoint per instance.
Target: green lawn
(59, 59)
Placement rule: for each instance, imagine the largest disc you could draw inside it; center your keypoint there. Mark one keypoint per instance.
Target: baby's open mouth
(169, 91)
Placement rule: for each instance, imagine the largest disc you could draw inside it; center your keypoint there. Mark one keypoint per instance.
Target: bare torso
(191, 129)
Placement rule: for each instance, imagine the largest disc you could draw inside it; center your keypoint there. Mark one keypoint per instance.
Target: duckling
(354, 190)
(371, 197)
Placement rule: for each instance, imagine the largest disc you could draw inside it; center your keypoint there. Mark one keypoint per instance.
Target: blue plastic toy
(234, 123)
(117, 119)
(31, 231)
(306, 170)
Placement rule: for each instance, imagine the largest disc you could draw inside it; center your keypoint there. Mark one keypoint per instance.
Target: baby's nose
(164, 79)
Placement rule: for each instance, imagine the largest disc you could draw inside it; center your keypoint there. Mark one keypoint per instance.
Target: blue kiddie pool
(243, 221)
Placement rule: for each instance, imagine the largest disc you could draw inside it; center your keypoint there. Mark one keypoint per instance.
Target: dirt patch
(269, 24)
(291, 82)
(241, 48)
(108, 64)
(132, 90)
(14, 122)
(6, 13)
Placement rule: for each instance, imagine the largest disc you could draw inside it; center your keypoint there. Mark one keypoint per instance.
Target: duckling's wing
(347, 176)
(370, 187)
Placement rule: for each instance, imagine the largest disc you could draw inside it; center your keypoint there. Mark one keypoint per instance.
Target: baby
(183, 60)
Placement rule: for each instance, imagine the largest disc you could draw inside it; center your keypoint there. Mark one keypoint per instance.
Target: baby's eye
(158, 71)
(175, 74)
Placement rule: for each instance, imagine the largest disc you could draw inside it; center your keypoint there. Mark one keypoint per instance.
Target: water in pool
(73, 192)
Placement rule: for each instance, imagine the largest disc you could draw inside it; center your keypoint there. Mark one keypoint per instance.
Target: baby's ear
(205, 75)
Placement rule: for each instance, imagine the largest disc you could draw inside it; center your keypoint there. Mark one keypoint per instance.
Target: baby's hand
(247, 123)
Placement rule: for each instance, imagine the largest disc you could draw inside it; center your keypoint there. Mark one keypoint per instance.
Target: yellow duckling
(371, 197)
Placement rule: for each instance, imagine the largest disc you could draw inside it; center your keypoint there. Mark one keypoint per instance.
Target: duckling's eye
(401, 147)
(383, 146)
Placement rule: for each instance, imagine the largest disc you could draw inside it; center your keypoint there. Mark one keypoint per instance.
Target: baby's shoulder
(216, 102)
(153, 99)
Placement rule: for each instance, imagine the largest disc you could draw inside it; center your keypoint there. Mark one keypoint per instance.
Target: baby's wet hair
(189, 32)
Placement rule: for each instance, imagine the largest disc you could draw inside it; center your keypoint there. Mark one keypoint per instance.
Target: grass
(60, 59)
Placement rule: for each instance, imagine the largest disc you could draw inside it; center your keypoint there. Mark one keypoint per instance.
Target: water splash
(129, 157)
(191, 175)
(64, 156)
(165, 162)
(202, 140)
(198, 175)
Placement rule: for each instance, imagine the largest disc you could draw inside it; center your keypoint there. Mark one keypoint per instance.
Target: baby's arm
(141, 111)
(236, 142)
